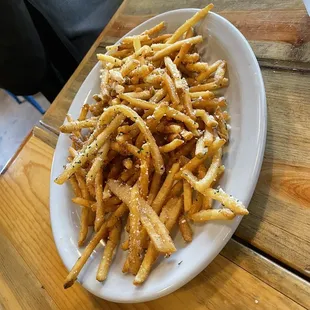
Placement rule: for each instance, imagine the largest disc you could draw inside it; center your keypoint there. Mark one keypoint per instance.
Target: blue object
(30, 99)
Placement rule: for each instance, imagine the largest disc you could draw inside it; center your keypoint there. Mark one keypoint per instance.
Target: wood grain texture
(279, 220)
(19, 288)
(277, 277)
(24, 195)
(45, 135)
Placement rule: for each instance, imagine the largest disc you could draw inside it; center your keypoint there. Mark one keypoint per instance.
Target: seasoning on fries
(147, 154)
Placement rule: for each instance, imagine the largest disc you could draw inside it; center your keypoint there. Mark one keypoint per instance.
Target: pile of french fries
(147, 155)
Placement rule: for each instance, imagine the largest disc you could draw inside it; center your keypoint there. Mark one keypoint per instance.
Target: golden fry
(78, 125)
(83, 202)
(212, 214)
(181, 54)
(155, 185)
(228, 201)
(159, 27)
(190, 23)
(108, 252)
(169, 217)
(171, 90)
(185, 229)
(154, 227)
(174, 72)
(169, 147)
(89, 150)
(130, 65)
(106, 58)
(175, 47)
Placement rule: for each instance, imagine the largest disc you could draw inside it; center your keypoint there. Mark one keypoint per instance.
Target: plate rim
(262, 121)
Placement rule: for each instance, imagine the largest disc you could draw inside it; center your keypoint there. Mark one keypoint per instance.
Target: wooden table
(266, 265)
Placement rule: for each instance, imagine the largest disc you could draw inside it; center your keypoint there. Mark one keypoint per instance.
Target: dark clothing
(43, 41)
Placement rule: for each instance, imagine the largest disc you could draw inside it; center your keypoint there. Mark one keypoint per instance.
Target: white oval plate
(247, 106)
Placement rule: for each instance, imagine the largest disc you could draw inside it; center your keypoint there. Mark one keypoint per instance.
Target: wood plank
(19, 289)
(26, 225)
(279, 278)
(279, 220)
(45, 135)
(276, 29)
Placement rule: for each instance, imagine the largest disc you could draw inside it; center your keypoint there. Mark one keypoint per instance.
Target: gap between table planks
(238, 278)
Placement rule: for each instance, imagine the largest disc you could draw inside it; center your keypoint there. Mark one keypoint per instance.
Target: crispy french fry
(85, 210)
(202, 94)
(155, 185)
(169, 217)
(206, 181)
(174, 72)
(206, 118)
(154, 227)
(209, 104)
(125, 245)
(179, 116)
(196, 162)
(160, 94)
(130, 65)
(190, 58)
(130, 40)
(111, 111)
(146, 94)
(165, 188)
(190, 23)
(106, 58)
(187, 103)
(83, 202)
(175, 47)
(209, 86)
(185, 229)
(75, 186)
(98, 162)
(181, 54)
(128, 164)
(109, 249)
(222, 127)
(99, 199)
(78, 125)
(212, 214)
(141, 72)
(89, 150)
(211, 69)
(169, 147)
(135, 245)
(136, 43)
(73, 274)
(220, 72)
(187, 189)
(189, 33)
(83, 112)
(203, 142)
(171, 90)
(159, 27)
(228, 201)
(197, 67)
